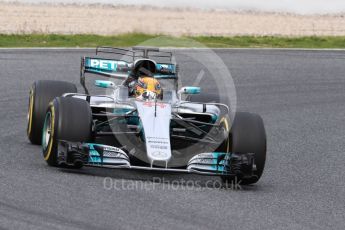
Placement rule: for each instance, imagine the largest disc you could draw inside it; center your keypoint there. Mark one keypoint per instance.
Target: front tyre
(68, 119)
(248, 135)
(42, 92)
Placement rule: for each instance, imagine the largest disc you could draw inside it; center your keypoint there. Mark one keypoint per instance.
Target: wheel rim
(226, 126)
(47, 128)
(30, 110)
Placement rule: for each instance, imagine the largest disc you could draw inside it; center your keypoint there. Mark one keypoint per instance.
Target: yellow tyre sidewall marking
(226, 124)
(52, 126)
(31, 109)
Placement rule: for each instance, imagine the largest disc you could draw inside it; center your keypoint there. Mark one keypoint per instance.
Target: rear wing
(106, 67)
(137, 52)
(121, 69)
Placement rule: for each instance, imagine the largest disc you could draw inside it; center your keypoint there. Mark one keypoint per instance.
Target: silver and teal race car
(173, 132)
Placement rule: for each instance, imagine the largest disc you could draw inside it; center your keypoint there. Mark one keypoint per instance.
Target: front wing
(98, 155)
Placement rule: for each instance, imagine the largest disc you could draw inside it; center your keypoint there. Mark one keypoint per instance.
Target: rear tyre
(248, 135)
(41, 93)
(68, 119)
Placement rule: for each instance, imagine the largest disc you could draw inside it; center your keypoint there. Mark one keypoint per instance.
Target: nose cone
(156, 124)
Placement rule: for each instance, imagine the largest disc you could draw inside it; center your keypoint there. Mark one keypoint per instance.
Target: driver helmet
(148, 88)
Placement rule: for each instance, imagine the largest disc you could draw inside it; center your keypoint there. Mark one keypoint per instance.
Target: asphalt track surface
(299, 94)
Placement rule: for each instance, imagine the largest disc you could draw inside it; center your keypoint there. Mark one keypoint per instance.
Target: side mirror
(189, 90)
(104, 84)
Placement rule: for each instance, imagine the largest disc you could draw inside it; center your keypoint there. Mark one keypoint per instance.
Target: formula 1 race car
(143, 122)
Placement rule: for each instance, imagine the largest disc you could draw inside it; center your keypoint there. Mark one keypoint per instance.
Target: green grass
(126, 40)
(274, 42)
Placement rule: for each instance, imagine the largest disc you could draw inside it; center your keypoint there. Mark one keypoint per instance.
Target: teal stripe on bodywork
(121, 111)
(94, 156)
(221, 165)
